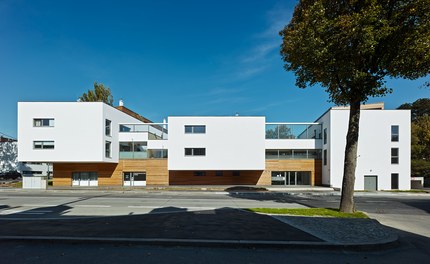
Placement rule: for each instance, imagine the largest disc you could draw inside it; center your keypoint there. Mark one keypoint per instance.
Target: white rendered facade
(77, 132)
(374, 147)
(230, 143)
(233, 143)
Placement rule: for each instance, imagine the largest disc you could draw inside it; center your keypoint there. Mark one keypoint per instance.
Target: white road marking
(40, 205)
(30, 213)
(92, 206)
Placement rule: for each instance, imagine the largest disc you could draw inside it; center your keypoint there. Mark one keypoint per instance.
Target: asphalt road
(406, 214)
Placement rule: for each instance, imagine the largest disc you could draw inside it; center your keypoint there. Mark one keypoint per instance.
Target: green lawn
(328, 212)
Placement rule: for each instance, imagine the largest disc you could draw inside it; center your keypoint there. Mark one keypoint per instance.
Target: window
(394, 156)
(108, 124)
(293, 154)
(394, 133)
(195, 152)
(325, 157)
(236, 173)
(325, 136)
(43, 144)
(31, 173)
(394, 181)
(43, 122)
(157, 153)
(195, 129)
(133, 150)
(218, 173)
(108, 149)
(199, 173)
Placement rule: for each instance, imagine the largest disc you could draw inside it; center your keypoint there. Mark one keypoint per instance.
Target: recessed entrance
(134, 178)
(84, 179)
(291, 178)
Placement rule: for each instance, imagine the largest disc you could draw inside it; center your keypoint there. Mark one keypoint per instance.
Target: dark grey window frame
(108, 127)
(394, 157)
(108, 150)
(42, 144)
(195, 129)
(195, 152)
(395, 136)
(325, 136)
(42, 120)
(325, 157)
(394, 181)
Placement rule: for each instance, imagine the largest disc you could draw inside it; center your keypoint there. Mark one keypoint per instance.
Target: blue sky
(161, 57)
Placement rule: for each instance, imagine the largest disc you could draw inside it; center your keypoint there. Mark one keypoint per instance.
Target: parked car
(10, 175)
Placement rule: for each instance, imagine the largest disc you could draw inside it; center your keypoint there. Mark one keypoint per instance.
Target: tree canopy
(420, 107)
(100, 93)
(350, 47)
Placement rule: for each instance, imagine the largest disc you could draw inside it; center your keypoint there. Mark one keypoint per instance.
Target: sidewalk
(220, 227)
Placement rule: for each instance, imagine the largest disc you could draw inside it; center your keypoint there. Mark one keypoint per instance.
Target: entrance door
(134, 178)
(85, 179)
(370, 182)
(75, 179)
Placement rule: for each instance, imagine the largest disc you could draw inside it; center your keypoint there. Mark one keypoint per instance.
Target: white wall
(293, 143)
(325, 120)
(232, 143)
(374, 147)
(79, 131)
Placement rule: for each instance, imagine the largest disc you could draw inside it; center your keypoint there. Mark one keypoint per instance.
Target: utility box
(35, 182)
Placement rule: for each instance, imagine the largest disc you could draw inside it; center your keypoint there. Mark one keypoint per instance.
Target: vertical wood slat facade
(110, 174)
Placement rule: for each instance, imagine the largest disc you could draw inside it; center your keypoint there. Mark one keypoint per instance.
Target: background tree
(100, 93)
(279, 132)
(349, 47)
(419, 108)
(420, 137)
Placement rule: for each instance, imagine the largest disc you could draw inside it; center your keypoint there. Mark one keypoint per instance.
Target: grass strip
(327, 212)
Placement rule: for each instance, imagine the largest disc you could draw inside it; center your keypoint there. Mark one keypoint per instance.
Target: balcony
(155, 131)
(293, 130)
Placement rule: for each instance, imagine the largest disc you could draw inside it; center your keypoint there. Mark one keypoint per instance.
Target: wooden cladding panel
(111, 174)
(188, 178)
(314, 166)
(156, 170)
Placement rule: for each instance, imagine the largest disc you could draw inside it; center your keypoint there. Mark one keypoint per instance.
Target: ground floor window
(134, 178)
(291, 178)
(394, 181)
(84, 179)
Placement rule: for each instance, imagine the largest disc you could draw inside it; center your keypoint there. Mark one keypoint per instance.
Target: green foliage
(420, 168)
(350, 46)
(328, 212)
(419, 108)
(99, 94)
(279, 132)
(420, 136)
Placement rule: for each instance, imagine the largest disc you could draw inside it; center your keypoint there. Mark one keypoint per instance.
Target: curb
(212, 242)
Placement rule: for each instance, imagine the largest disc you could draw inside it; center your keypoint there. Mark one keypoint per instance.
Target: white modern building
(94, 144)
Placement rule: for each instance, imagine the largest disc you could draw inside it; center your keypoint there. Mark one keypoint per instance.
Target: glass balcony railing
(156, 131)
(293, 131)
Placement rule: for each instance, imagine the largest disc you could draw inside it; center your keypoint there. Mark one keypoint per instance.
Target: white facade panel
(293, 143)
(133, 136)
(231, 143)
(374, 147)
(78, 131)
(158, 144)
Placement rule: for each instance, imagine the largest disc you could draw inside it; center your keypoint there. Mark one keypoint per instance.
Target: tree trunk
(347, 199)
